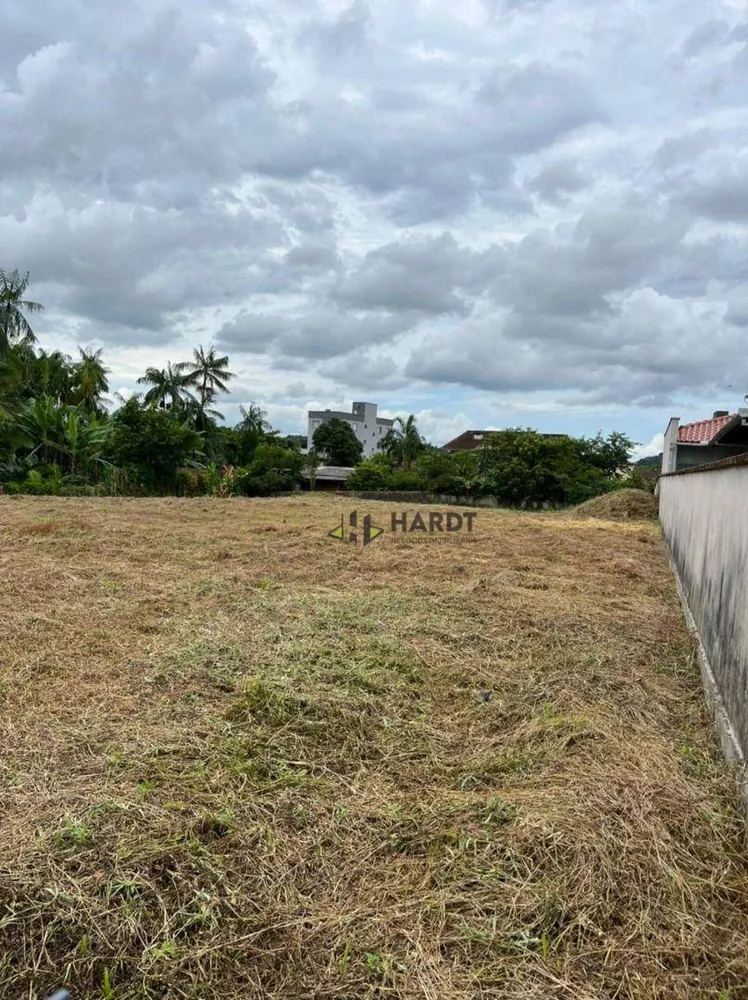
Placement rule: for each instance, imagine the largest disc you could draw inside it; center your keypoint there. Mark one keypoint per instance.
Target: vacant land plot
(240, 759)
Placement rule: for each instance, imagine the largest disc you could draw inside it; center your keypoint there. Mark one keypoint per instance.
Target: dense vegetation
(60, 434)
(518, 466)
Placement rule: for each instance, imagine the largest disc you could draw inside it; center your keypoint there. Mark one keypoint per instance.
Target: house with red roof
(723, 435)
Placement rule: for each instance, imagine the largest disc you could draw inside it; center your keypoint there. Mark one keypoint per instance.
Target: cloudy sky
(489, 213)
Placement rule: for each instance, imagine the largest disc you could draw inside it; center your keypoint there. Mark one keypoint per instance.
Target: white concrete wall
(704, 516)
(371, 431)
(670, 446)
(366, 429)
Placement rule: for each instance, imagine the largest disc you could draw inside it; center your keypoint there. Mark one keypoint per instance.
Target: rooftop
(704, 431)
(336, 472)
(467, 441)
(471, 440)
(345, 415)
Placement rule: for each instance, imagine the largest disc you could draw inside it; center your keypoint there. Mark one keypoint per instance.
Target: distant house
(367, 426)
(329, 478)
(471, 440)
(467, 441)
(723, 435)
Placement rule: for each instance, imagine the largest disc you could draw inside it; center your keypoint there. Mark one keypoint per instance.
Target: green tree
(14, 326)
(65, 436)
(611, 455)
(169, 387)
(14, 437)
(516, 467)
(152, 444)
(521, 467)
(337, 442)
(448, 472)
(251, 430)
(51, 374)
(204, 419)
(403, 441)
(274, 469)
(207, 373)
(312, 461)
(90, 383)
(375, 473)
(45, 425)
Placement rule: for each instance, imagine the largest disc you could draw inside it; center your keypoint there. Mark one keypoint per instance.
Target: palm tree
(251, 429)
(65, 435)
(207, 373)
(16, 372)
(14, 327)
(16, 375)
(13, 433)
(91, 382)
(169, 387)
(253, 420)
(403, 442)
(200, 413)
(44, 424)
(52, 375)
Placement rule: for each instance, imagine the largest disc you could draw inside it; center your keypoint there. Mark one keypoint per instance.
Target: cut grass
(240, 759)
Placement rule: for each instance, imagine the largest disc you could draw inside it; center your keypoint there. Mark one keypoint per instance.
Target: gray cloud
(345, 35)
(576, 273)
(737, 308)
(125, 267)
(519, 197)
(132, 113)
(424, 276)
(724, 199)
(647, 355)
(705, 36)
(322, 333)
(557, 180)
(365, 372)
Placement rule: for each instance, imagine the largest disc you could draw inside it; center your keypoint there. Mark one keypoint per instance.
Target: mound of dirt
(619, 506)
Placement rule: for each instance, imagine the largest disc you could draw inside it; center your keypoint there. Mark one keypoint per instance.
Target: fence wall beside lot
(704, 516)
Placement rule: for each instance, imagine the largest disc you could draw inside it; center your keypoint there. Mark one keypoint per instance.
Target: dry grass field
(239, 759)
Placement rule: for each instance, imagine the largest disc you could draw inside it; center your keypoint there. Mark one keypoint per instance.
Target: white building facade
(367, 426)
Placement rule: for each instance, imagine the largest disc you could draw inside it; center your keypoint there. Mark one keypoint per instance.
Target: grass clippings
(239, 762)
(621, 505)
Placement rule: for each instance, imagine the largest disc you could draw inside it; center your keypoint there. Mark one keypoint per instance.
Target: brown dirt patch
(622, 505)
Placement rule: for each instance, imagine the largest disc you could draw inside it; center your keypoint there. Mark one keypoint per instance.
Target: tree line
(60, 433)
(518, 466)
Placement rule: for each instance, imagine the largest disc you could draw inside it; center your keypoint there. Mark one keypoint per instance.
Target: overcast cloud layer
(488, 212)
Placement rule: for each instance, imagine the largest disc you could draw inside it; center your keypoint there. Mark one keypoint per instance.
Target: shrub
(195, 482)
(372, 474)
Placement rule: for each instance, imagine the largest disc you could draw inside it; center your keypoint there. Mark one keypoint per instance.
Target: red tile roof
(703, 431)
